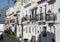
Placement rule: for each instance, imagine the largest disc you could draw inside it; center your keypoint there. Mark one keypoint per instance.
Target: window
(29, 29)
(41, 16)
(33, 29)
(59, 10)
(39, 23)
(26, 30)
(43, 23)
(52, 40)
(38, 31)
(44, 32)
(28, 22)
(47, 17)
(25, 40)
(32, 13)
(25, 1)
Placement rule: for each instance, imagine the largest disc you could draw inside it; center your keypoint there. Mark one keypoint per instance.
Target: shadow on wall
(46, 37)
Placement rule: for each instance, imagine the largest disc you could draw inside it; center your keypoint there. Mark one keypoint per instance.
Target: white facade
(1, 28)
(2, 21)
(53, 7)
(34, 30)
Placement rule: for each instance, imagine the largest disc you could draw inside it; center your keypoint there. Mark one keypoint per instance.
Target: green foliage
(20, 36)
(24, 19)
(6, 31)
(1, 37)
(10, 32)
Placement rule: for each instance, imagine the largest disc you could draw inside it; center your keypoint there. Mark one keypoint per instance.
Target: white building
(42, 22)
(11, 18)
(2, 21)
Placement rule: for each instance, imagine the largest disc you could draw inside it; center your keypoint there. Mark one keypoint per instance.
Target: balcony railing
(12, 20)
(41, 16)
(50, 17)
(49, 0)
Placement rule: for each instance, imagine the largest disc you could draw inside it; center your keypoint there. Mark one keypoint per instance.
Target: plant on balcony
(6, 31)
(12, 33)
(20, 36)
(24, 19)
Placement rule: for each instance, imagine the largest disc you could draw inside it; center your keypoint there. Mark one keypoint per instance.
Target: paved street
(9, 39)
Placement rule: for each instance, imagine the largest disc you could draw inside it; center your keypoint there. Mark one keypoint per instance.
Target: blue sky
(4, 3)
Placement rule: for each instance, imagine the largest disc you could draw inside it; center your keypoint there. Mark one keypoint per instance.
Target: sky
(4, 3)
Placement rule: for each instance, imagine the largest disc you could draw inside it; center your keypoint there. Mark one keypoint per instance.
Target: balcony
(51, 1)
(41, 23)
(12, 20)
(26, 3)
(51, 17)
(35, 0)
(40, 1)
(39, 17)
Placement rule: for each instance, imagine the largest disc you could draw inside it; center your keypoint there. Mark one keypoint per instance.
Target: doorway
(25, 40)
